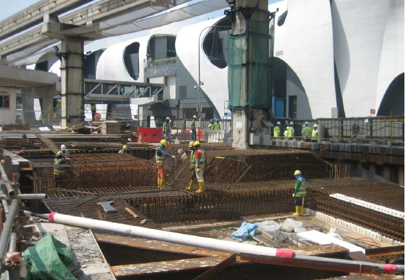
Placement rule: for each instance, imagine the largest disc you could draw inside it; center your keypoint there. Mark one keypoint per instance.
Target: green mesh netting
(259, 67)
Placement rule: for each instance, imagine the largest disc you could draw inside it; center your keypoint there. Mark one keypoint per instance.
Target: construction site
(183, 190)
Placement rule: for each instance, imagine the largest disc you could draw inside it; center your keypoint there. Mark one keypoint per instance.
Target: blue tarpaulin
(246, 230)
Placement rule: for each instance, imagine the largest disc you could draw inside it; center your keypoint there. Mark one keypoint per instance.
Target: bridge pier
(72, 77)
(46, 94)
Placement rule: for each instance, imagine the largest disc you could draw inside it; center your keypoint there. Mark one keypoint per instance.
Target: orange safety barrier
(149, 135)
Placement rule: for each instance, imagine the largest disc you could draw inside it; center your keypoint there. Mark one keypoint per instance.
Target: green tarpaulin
(258, 67)
(49, 259)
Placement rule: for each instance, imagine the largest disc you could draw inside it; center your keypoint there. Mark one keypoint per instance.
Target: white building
(332, 58)
(342, 57)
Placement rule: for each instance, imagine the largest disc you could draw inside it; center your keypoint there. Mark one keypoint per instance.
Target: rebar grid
(319, 200)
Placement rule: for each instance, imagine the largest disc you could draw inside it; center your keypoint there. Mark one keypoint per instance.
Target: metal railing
(10, 262)
(367, 128)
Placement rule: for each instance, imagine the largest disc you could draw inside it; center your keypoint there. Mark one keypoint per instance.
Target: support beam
(246, 121)
(72, 107)
(217, 269)
(86, 20)
(34, 14)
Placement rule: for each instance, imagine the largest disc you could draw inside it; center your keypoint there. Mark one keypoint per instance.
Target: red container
(149, 135)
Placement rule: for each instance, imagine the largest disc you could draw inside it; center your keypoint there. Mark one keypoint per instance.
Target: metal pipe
(10, 190)
(12, 247)
(5, 234)
(27, 196)
(322, 263)
(210, 243)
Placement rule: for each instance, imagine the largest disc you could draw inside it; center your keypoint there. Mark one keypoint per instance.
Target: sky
(8, 8)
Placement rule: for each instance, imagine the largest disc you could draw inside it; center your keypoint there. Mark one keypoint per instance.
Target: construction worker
(193, 129)
(299, 194)
(160, 159)
(124, 150)
(167, 130)
(211, 125)
(315, 133)
(306, 132)
(192, 165)
(276, 130)
(291, 131)
(286, 132)
(200, 165)
(217, 126)
(65, 152)
(58, 171)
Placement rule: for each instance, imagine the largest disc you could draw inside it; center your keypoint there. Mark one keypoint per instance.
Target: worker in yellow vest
(200, 165)
(59, 172)
(291, 131)
(315, 133)
(286, 132)
(306, 132)
(276, 130)
(192, 165)
(300, 193)
(160, 156)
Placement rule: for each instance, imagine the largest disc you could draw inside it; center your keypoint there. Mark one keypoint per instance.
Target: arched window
(131, 59)
(215, 43)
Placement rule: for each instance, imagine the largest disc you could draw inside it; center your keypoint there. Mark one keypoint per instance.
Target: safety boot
(190, 187)
(158, 183)
(297, 211)
(162, 184)
(201, 187)
(302, 210)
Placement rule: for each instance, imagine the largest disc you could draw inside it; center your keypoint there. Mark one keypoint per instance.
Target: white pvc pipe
(209, 243)
(190, 240)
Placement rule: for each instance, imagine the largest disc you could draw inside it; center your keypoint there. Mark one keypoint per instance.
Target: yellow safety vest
(302, 191)
(315, 134)
(290, 131)
(58, 171)
(276, 131)
(159, 158)
(306, 132)
(192, 159)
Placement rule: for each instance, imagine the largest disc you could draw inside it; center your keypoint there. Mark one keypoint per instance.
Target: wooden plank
(165, 266)
(48, 142)
(358, 256)
(385, 251)
(131, 212)
(217, 269)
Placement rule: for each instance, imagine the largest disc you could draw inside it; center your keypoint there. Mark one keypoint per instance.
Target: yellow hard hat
(163, 142)
(59, 153)
(191, 144)
(125, 147)
(297, 172)
(197, 143)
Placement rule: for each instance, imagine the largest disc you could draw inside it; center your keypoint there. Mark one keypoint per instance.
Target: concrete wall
(8, 116)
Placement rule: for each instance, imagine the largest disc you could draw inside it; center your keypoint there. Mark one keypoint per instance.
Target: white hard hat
(168, 118)
(291, 123)
(194, 117)
(315, 125)
(63, 147)
(279, 123)
(306, 123)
